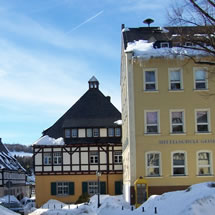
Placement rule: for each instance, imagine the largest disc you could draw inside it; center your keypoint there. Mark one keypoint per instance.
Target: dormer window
(89, 132)
(110, 132)
(74, 132)
(95, 132)
(67, 133)
(164, 45)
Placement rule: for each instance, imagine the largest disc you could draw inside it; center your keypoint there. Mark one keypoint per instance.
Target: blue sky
(49, 49)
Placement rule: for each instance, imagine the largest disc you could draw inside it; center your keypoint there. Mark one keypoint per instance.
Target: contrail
(86, 21)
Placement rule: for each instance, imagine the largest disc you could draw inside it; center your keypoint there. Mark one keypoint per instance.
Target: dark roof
(7, 161)
(160, 34)
(93, 109)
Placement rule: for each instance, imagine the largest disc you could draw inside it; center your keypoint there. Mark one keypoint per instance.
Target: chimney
(108, 98)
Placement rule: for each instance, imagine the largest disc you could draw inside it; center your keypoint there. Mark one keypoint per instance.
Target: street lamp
(98, 174)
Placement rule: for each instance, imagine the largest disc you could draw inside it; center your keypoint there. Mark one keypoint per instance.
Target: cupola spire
(93, 83)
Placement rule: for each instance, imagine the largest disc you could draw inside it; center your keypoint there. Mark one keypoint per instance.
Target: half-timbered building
(12, 175)
(85, 140)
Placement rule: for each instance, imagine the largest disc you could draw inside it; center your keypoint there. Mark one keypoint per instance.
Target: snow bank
(197, 200)
(6, 199)
(46, 140)
(5, 211)
(144, 49)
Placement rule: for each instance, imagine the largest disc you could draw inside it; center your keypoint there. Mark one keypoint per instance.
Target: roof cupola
(93, 83)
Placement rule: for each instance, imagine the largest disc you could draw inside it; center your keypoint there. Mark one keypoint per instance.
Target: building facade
(168, 113)
(84, 141)
(12, 175)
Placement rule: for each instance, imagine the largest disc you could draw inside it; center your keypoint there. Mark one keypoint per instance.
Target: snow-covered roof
(46, 140)
(145, 49)
(7, 161)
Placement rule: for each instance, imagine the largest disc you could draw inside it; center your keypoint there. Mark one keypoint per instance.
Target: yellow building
(85, 141)
(168, 113)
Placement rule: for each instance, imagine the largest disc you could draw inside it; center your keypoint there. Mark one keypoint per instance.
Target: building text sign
(186, 141)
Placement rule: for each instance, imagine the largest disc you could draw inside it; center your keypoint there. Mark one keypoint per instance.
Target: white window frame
(195, 69)
(181, 79)
(164, 43)
(94, 157)
(47, 158)
(64, 186)
(148, 167)
(92, 187)
(210, 165)
(67, 133)
(208, 123)
(57, 158)
(145, 122)
(179, 166)
(156, 79)
(183, 121)
(117, 157)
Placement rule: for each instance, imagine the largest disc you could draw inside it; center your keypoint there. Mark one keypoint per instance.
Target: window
(178, 163)
(95, 132)
(164, 45)
(110, 132)
(67, 133)
(92, 188)
(150, 80)
(74, 132)
(118, 157)
(118, 132)
(177, 122)
(151, 122)
(204, 163)
(47, 159)
(175, 77)
(201, 81)
(202, 121)
(188, 44)
(57, 158)
(94, 157)
(89, 132)
(63, 188)
(153, 164)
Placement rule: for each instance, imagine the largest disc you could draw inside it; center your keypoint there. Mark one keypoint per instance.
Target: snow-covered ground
(21, 154)
(197, 200)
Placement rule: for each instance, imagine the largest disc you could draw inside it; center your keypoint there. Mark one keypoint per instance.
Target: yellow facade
(137, 143)
(43, 194)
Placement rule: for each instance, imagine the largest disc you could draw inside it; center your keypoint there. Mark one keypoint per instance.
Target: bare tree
(199, 35)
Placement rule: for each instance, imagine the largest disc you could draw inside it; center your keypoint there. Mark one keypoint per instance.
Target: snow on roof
(118, 122)
(7, 198)
(145, 49)
(46, 140)
(125, 29)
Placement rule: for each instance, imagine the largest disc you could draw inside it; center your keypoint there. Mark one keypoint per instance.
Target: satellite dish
(148, 21)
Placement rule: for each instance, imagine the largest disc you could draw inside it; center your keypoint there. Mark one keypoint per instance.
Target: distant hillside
(19, 148)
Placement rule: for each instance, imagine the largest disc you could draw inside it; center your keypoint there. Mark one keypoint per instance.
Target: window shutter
(71, 188)
(53, 188)
(84, 187)
(118, 187)
(103, 187)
